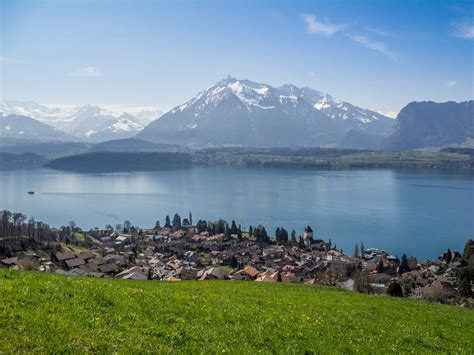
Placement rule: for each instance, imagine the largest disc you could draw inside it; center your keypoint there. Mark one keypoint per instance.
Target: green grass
(50, 313)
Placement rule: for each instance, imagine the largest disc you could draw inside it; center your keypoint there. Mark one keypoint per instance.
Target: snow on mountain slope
(27, 128)
(353, 117)
(242, 112)
(85, 122)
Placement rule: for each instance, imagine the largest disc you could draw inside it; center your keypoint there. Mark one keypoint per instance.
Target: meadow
(51, 313)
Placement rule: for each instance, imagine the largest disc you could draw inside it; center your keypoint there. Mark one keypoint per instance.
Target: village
(182, 251)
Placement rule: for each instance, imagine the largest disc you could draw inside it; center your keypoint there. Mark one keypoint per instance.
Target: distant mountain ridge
(89, 123)
(244, 113)
(23, 127)
(431, 124)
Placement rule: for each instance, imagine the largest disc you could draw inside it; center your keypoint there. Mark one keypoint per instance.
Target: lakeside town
(180, 250)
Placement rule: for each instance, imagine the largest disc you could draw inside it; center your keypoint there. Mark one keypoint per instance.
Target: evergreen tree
(362, 250)
(380, 267)
(281, 236)
(201, 226)
(330, 243)
(356, 251)
(190, 218)
(167, 222)
(239, 232)
(233, 228)
(404, 267)
(448, 256)
(293, 237)
(468, 250)
(227, 232)
(176, 222)
(157, 225)
(250, 231)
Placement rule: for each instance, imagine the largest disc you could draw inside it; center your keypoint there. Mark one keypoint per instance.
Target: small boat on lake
(31, 192)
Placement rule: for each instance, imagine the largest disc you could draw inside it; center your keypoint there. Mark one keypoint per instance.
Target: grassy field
(49, 313)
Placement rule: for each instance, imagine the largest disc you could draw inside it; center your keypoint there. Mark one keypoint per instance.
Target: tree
(465, 279)
(412, 262)
(227, 232)
(468, 250)
(233, 228)
(361, 282)
(394, 289)
(362, 250)
(293, 237)
(201, 226)
(465, 287)
(157, 225)
(356, 250)
(190, 218)
(18, 220)
(404, 267)
(176, 222)
(233, 262)
(167, 222)
(250, 231)
(126, 226)
(186, 222)
(281, 235)
(330, 243)
(5, 222)
(380, 267)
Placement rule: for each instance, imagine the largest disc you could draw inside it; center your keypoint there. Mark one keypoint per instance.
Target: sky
(376, 54)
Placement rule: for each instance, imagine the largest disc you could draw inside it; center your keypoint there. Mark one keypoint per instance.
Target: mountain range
(431, 124)
(244, 113)
(236, 112)
(87, 123)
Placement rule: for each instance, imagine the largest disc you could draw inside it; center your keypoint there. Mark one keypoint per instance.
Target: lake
(417, 212)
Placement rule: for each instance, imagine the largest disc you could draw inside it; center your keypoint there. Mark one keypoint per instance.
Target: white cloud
(374, 45)
(380, 32)
(464, 30)
(451, 83)
(88, 71)
(326, 28)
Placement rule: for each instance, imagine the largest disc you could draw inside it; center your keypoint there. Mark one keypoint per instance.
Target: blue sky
(376, 54)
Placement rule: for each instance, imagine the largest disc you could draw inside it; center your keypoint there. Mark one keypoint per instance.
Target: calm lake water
(403, 211)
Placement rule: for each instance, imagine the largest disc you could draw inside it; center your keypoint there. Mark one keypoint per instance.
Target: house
(381, 278)
(247, 273)
(268, 276)
(64, 256)
(133, 273)
(10, 261)
(108, 268)
(213, 274)
(72, 263)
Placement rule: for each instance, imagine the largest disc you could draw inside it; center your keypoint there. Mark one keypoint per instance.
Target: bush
(394, 289)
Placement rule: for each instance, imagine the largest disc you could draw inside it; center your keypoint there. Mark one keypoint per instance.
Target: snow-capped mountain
(26, 128)
(90, 123)
(353, 117)
(146, 116)
(242, 112)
